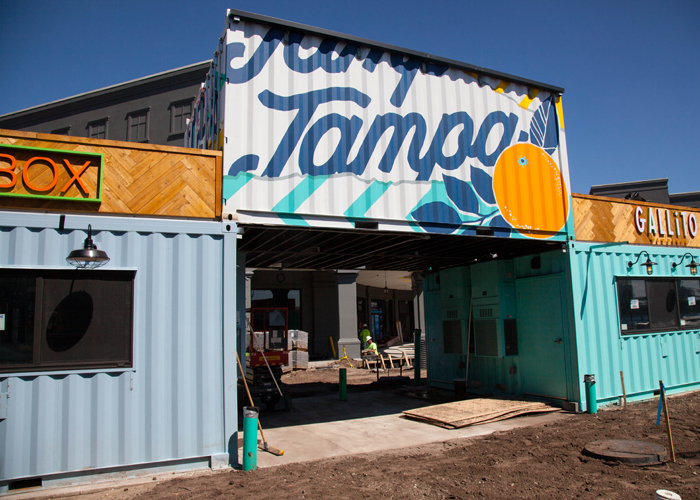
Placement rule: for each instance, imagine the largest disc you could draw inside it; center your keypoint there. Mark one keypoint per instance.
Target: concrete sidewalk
(323, 427)
(317, 427)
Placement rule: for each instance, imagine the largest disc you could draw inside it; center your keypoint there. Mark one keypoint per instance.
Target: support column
(347, 314)
(418, 303)
(229, 346)
(242, 291)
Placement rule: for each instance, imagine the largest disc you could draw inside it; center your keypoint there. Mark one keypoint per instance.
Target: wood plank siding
(138, 179)
(603, 219)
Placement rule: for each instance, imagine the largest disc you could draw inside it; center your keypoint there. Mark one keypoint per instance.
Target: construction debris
(475, 411)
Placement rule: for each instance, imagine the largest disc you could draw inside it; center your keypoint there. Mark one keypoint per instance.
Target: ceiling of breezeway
(286, 247)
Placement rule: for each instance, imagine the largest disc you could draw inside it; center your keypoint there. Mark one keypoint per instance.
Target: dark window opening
(179, 114)
(657, 304)
(65, 319)
(137, 124)
(61, 131)
(98, 129)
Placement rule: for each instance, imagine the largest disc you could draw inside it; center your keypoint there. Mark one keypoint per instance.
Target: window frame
(39, 337)
(173, 107)
(145, 112)
(679, 327)
(97, 123)
(62, 131)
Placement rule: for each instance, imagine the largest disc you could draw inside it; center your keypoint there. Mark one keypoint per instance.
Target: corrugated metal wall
(325, 131)
(170, 405)
(489, 372)
(644, 358)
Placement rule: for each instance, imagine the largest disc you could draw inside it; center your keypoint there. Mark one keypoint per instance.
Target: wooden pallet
(475, 411)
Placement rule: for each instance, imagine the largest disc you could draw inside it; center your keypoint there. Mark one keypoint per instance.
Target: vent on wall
(452, 336)
(452, 314)
(486, 313)
(486, 337)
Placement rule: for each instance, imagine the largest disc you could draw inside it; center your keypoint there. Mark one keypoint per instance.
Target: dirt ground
(538, 462)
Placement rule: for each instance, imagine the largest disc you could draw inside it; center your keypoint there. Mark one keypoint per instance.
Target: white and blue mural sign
(321, 132)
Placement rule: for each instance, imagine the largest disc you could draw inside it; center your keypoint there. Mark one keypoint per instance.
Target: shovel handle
(250, 398)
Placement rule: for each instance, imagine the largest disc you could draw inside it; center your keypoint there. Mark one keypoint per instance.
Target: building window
(658, 304)
(137, 126)
(278, 297)
(98, 129)
(62, 131)
(179, 114)
(65, 320)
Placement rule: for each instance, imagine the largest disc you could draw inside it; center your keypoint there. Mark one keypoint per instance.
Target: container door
(541, 336)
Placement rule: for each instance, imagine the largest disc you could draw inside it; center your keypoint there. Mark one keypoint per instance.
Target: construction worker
(371, 348)
(364, 335)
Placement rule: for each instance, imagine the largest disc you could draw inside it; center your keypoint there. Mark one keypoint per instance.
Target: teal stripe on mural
(293, 220)
(231, 184)
(368, 198)
(300, 194)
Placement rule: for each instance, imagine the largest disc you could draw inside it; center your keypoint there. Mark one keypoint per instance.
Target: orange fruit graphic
(530, 190)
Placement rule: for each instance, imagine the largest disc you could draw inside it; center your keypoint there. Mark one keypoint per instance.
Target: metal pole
(250, 438)
(416, 357)
(591, 402)
(343, 385)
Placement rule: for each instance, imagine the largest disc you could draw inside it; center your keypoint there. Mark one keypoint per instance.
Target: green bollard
(591, 403)
(250, 438)
(343, 374)
(416, 357)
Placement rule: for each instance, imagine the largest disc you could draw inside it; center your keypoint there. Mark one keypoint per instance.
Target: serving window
(62, 320)
(658, 304)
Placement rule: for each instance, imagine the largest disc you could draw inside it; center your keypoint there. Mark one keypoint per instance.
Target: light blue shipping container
(177, 406)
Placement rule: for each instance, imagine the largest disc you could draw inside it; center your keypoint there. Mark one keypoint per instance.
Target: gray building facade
(153, 110)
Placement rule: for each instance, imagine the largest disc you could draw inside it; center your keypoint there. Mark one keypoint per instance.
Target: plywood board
(138, 179)
(475, 411)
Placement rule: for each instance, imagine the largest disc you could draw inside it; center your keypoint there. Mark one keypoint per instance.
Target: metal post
(250, 438)
(591, 402)
(343, 375)
(416, 357)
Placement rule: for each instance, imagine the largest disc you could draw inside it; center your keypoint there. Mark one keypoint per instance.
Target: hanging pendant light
(648, 264)
(693, 266)
(386, 288)
(88, 257)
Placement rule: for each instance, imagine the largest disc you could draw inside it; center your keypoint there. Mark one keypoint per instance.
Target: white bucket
(666, 495)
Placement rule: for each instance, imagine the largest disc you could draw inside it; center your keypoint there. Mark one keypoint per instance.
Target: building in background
(654, 191)
(150, 110)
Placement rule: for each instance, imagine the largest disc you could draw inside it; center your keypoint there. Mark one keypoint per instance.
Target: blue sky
(629, 67)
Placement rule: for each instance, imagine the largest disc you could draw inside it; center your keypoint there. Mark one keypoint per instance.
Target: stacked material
(299, 360)
(258, 341)
(475, 411)
(299, 339)
(299, 345)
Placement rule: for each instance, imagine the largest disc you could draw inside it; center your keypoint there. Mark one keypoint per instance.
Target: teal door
(541, 338)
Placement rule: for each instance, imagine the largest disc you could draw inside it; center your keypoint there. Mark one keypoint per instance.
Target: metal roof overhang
(316, 248)
(421, 56)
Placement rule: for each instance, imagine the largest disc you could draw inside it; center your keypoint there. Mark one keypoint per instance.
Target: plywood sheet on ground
(475, 411)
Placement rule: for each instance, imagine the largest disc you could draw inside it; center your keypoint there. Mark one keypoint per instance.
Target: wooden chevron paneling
(597, 218)
(138, 179)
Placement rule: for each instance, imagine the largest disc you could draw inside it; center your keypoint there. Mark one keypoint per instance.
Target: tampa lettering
(399, 127)
(75, 174)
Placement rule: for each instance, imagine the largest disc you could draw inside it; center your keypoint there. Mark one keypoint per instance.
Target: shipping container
(327, 130)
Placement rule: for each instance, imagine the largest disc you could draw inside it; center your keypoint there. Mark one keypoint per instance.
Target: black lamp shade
(88, 257)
